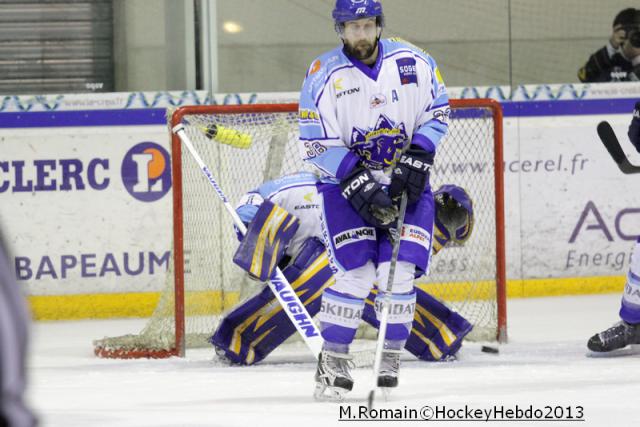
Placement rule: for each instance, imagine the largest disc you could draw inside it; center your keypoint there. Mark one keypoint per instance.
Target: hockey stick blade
(611, 143)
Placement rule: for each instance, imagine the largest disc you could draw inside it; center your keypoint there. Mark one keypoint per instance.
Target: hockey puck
(489, 349)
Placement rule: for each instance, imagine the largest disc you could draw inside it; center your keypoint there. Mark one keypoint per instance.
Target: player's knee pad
(266, 239)
(357, 282)
(402, 278)
(339, 316)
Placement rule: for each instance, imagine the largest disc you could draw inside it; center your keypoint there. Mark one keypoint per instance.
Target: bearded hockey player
(372, 114)
(257, 326)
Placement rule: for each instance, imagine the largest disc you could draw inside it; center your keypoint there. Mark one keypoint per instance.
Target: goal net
(203, 283)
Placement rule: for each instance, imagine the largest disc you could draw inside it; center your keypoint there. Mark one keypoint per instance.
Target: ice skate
(333, 380)
(389, 369)
(615, 339)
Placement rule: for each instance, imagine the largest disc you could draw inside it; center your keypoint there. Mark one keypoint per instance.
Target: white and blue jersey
(297, 194)
(351, 113)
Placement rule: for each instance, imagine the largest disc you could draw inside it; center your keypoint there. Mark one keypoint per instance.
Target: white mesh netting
(464, 277)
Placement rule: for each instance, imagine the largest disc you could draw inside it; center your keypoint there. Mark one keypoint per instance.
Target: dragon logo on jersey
(381, 145)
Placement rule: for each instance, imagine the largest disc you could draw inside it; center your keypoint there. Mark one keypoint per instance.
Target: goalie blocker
(257, 326)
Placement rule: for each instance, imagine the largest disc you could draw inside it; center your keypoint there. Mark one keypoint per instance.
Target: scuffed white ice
(543, 364)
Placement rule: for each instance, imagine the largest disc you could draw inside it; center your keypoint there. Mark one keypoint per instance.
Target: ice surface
(543, 364)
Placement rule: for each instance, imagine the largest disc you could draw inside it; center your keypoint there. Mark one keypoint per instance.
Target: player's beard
(362, 50)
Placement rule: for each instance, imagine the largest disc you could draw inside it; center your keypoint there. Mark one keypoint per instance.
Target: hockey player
(372, 113)
(257, 326)
(627, 331)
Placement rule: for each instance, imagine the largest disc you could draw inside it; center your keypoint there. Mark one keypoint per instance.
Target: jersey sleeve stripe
(331, 161)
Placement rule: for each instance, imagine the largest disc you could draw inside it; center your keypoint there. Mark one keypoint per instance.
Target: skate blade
(386, 393)
(324, 393)
(630, 350)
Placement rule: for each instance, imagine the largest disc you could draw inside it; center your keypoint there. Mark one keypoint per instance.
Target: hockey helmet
(350, 10)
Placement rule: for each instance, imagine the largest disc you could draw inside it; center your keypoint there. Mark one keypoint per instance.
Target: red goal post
(203, 282)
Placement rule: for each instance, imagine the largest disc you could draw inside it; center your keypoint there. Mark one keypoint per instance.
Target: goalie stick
(279, 285)
(611, 143)
(386, 298)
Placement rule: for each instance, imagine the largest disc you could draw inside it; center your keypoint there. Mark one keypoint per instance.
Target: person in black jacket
(619, 59)
(14, 320)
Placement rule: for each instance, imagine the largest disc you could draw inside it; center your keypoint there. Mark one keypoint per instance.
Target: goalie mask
(454, 213)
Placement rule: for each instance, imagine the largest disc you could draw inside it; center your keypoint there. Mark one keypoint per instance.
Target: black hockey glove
(368, 198)
(411, 174)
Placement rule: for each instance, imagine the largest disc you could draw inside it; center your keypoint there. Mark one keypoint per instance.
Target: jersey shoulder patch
(320, 70)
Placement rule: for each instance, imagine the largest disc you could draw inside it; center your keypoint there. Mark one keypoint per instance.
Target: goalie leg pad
(267, 237)
(630, 307)
(437, 332)
(237, 330)
(258, 326)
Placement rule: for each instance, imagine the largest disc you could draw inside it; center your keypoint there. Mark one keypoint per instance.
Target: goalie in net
(257, 326)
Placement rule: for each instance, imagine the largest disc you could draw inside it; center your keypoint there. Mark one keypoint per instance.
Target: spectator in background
(14, 319)
(619, 59)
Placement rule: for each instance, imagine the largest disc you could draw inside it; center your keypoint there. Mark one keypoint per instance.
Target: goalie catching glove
(411, 174)
(368, 198)
(267, 237)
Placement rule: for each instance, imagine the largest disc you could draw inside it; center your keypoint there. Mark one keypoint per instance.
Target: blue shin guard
(436, 332)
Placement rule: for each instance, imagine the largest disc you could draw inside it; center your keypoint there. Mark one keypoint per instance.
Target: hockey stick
(278, 284)
(386, 299)
(611, 143)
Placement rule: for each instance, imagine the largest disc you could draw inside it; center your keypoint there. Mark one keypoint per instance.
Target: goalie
(275, 236)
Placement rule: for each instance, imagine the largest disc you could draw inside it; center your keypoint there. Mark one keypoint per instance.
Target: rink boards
(90, 229)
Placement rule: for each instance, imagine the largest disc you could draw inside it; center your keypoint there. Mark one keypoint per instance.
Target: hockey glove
(634, 127)
(368, 198)
(411, 174)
